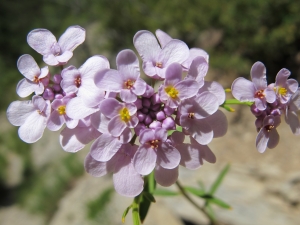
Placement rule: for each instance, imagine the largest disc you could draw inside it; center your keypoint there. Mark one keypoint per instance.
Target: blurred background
(41, 184)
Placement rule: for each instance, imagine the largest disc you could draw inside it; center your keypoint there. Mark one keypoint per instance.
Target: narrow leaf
(220, 203)
(149, 196)
(195, 191)
(125, 213)
(219, 180)
(164, 192)
(144, 208)
(210, 211)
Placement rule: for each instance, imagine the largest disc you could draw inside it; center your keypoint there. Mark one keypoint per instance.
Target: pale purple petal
(150, 69)
(71, 38)
(201, 131)
(69, 75)
(173, 74)
(110, 107)
(262, 140)
(282, 77)
(127, 181)
(128, 96)
(128, 65)
(28, 67)
(64, 57)
(194, 52)
(216, 89)
(55, 121)
(261, 104)
(50, 59)
(243, 90)
(109, 80)
(90, 94)
(116, 126)
(198, 69)
(73, 140)
(168, 157)
(273, 139)
(258, 76)
(139, 87)
(163, 37)
(41, 40)
(144, 160)
(19, 111)
(293, 120)
(33, 128)
(99, 169)
(147, 46)
(105, 147)
(126, 136)
(292, 85)
(191, 157)
(93, 65)
(270, 95)
(166, 177)
(25, 87)
(218, 122)
(187, 88)
(146, 136)
(76, 109)
(174, 51)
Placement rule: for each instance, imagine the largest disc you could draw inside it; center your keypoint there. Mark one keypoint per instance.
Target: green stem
(183, 192)
(236, 102)
(135, 210)
(151, 183)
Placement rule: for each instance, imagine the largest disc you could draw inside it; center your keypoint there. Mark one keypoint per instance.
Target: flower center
(61, 110)
(129, 84)
(36, 79)
(269, 127)
(259, 94)
(282, 91)
(171, 91)
(191, 115)
(124, 114)
(77, 81)
(158, 64)
(154, 143)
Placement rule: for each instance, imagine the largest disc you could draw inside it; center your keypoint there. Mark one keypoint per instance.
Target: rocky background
(40, 184)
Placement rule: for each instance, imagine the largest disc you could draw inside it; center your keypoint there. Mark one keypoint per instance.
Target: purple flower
(193, 113)
(284, 87)
(127, 181)
(58, 116)
(155, 58)
(56, 53)
(291, 116)
(81, 81)
(155, 150)
(256, 91)
(121, 115)
(35, 78)
(174, 89)
(31, 116)
(268, 135)
(126, 80)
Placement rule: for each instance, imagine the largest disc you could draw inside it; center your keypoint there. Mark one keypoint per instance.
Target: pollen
(124, 114)
(191, 115)
(36, 79)
(282, 91)
(158, 64)
(129, 84)
(259, 94)
(269, 127)
(171, 91)
(77, 81)
(154, 143)
(61, 110)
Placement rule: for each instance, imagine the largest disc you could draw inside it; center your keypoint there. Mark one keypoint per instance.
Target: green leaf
(220, 203)
(179, 128)
(201, 184)
(164, 192)
(149, 196)
(219, 180)
(210, 211)
(136, 211)
(125, 213)
(151, 183)
(144, 208)
(195, 191)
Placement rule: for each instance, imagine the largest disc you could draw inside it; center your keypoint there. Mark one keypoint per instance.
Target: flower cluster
(136, 128)
(270, 102)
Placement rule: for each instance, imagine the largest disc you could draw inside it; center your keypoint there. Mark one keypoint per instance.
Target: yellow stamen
(61, 110)
(158, 64)
(259, 94)
(282, 91)
(129, 84)
(124, 114)
(171, 91)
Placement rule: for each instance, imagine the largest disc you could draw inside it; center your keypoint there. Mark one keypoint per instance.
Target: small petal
(166, 177)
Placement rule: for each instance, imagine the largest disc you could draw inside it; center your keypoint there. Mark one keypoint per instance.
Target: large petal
(25, 87)
(64, 57)
(93, 65)
(166, 177)
(19, 111)
(128, 65)
(201, 131)
(56, 121)
(258, 75)
(28, 67)
(41, 40)
(116, 126)
(198, 69)
(191, 157)
(77, 109)
(262, 140)
(33, 128)
(214, 88)
(90, 94)
(173, 74)
(99, 169)
(144, 160)
(146, 44)
(109, 80)
(218, 122)
(168, 157)
(71, 38)
(187, 88)
(243, 90)
(105, 147)
(126, 180)
(194, 52)
(273, 139)
(163, 37)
